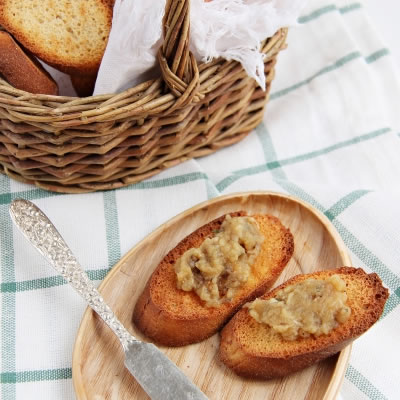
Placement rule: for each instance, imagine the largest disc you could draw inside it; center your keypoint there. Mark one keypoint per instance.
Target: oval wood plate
(98, 364)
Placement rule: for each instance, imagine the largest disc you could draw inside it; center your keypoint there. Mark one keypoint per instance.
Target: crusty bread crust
(173, 317)
(84, 84)
(22, 70)
(70, 36)
(253, 350)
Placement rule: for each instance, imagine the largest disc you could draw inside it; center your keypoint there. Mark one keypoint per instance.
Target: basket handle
(178, 65)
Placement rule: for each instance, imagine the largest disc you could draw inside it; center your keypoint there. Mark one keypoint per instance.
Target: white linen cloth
(231, 29)
(330, 136)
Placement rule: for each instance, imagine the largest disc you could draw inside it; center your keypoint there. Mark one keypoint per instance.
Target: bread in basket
(75, 145)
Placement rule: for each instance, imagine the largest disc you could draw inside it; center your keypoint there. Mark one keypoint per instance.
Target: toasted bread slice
(22, 70)
(84, 84)
(174, 317)
(252, 349)
(68, 35)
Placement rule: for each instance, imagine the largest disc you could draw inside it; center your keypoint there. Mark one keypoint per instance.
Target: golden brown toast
(253, 349)
(174, 317)
(69, 35)
(22, 70)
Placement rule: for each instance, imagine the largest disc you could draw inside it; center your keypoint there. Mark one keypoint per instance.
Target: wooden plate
(98, 370)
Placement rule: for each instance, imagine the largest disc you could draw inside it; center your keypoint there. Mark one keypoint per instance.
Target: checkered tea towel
(330, 136)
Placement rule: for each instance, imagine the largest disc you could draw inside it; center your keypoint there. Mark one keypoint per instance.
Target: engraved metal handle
(39, 230)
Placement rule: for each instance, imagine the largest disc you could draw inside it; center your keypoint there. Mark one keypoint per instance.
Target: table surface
(385, 15)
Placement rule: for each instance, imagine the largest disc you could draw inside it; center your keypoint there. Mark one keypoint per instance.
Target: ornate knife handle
(39, 230)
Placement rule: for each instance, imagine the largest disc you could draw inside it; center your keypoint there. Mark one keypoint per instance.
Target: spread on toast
(312, 307)
(255, 350)
(222, 263)
(174, 317)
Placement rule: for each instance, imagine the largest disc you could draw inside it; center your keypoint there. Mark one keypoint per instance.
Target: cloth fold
(330, 137)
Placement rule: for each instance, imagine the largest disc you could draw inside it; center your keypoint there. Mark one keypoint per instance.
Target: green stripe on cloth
(7, 198)
(336, 146)
(8, 307)
(269, 150)
(317, 13)
(328, 9)
(344, 203)
(302, 157)
(34, 194)
(363, 384)
(97, 274)
(377, 55)
(211, 190)
(291, 188)
(36, 376)
(175, 180)
(350, 7)
(46, 283)
(34, 284)
(222, 185)
(392, 302)
(336, 65)
(391, 280)
(112, 227)
(365, 255)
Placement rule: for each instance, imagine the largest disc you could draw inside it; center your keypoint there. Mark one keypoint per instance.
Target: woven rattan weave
(75, 145)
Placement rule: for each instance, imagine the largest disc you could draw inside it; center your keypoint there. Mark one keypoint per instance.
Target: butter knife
(156, 373)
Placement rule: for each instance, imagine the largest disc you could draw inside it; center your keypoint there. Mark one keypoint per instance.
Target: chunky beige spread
(312, 307)
(222, 263)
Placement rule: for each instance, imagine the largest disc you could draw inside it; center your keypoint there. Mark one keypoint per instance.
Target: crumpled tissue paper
(231, 29)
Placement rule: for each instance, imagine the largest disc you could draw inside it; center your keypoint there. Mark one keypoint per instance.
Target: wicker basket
(75, 145)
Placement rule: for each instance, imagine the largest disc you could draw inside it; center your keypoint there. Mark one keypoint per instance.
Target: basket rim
(145, 99)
